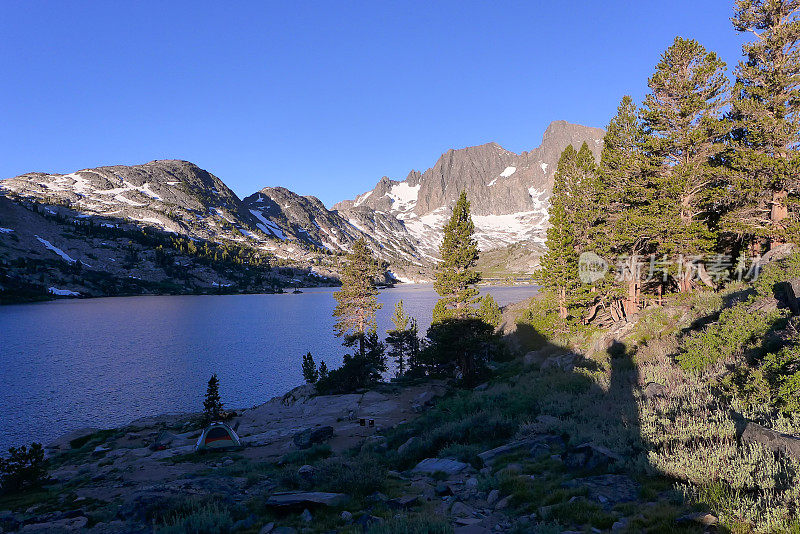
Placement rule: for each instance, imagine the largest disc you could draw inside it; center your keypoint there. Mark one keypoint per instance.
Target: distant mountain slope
(306, 218)
(174, 195)
(161, 227)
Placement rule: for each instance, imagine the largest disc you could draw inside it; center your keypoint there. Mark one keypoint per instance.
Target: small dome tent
(217, 436)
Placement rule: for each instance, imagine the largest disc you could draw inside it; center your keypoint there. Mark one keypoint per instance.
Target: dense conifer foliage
(455, 274)
(212, 405)
(356, 301)
(692, 186)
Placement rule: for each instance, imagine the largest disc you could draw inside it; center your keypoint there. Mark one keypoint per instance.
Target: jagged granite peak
(508, 192)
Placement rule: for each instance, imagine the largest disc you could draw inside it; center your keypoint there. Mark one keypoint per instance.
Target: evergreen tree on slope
(766, 113)
(455, 274)
(356, 301)
(681, 116)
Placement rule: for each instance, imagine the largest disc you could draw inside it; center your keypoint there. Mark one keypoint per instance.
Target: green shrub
(782, 371)
(581, 512)
(705, 303)
(316, 452)
(541, 319)
(736, 329)
(412, 525)
(24, 468)
(359, 476)
(775, 273)
(772, 383)
(357, 371)
(460, 347)
(208, 518)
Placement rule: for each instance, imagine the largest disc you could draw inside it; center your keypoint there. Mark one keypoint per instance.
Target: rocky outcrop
(772, 440)
(288, 499)
(440, 465)
(312, 436)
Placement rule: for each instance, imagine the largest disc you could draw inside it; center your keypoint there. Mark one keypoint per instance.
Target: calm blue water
(105, 362)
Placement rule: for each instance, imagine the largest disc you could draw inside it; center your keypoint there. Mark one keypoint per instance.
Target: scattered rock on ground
(403, 502)
(772, 440)
(590, 456)
(72, 524)
(607, 490)
(312, 436)
(444, 465)
(460, 509)
(653, 390)
(306, 472)
(701, 518)
(306, 498)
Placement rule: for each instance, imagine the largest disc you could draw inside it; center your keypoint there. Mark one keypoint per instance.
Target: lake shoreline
(105, 362)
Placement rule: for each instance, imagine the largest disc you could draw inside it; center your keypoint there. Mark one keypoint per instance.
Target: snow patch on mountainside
(55, 249)
(492, 231)
(63, 292)
(360, 200)
(508, 172)
(404, 196)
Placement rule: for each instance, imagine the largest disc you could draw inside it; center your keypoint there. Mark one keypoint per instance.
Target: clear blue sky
(321, 97)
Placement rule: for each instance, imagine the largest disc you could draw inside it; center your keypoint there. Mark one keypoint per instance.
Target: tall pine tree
(398, 338)
(455, 274)
(766, 113)
(681, 116)
(573, 215)
(357, 300)
(212, 405)
(627, 208)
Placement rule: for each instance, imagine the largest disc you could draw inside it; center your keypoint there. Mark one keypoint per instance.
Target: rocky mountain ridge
(400, 220)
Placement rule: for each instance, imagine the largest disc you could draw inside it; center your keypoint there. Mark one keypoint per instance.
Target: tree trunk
(685, 280)
(777, 214)
(631, 302)
(562, 300)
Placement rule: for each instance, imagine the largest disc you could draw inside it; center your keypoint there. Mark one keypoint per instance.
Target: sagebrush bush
(656, 322)
(199, 518)
(691, 437)
(414, 524)
(736, 328)
(359, 476)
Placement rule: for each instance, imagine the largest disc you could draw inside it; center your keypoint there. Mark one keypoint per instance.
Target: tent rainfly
(217, 436)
